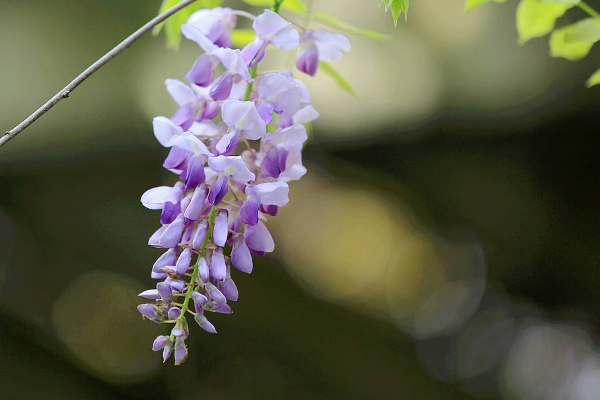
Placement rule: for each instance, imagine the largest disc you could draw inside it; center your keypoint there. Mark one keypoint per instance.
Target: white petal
(288, 137)
(306, 115)
(233, 166)
(189, 142)
(180, 92)
(206, 129)
(165, 130)
(155, 198)
(273, 193)
(233, 62)
(331, 45)
(270, 26)
(242, 116)
(194, 34)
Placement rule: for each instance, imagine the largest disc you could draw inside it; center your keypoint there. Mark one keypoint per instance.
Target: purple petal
(241, 258)
(172, 235)
(249, 210)
(254, 52)
(203, 270)
(229, 289)
(221, 89)
(204, 323)
(308, 60)
(174, 313)
(200, 235)
(259, 239)
(181, 351)
(165, 291)
(218, 269)
(218, 190)
(183, 262)
(184, 116)
(195, 172)
(226, 146)
(270, 165)
(221, 228)
(176, 159)
(160, 342)
(202, 71)
(194, 209)
(170, 211)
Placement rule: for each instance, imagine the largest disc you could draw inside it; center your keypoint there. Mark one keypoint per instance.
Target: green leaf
(586, 30)
(241, 37)
(295, 6)
(594, 79)
(172, 25)
(568, 2)
(336, 23)
(560, 47)
(536, 18)
(471, 4)
(339, 79)
(398, 7)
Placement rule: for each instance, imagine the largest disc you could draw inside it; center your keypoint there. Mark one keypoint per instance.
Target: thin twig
(64, 93)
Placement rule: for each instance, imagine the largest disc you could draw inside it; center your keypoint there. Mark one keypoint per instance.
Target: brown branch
(64, 93)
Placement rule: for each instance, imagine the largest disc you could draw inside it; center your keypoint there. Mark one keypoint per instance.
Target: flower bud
(229, 289)
(199, 235)
(199, 298)
(220, 229)
(172, 234)
(164, 289)
(174, 313)
(218, 269)
(203, 270)
(183, 262)
(215, 293)
(204, 323)
(181, 351)
(194, 209)
(241, 258)
(180, 329)
(160, 342)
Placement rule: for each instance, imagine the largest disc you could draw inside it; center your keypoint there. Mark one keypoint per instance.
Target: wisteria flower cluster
(235, 143)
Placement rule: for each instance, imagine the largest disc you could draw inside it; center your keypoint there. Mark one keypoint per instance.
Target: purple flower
(216, 24)
(204, 323)
(241, 258)
(318, 46)
(259, 239)
(270, 28)
(223, 195)
(221, 228)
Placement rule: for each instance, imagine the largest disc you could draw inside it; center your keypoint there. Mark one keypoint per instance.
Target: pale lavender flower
(215, 23)
(270, 28)
(318, 46)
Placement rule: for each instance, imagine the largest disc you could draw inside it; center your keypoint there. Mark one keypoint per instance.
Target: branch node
(66, 94)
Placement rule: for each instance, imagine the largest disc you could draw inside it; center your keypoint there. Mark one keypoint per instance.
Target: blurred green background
(444, 245)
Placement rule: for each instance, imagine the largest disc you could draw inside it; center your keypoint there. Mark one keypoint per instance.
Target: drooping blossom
(318, 46)
(235, 144)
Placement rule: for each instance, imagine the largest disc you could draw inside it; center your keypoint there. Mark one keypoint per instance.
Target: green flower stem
(585, 7)
(188, 294)
(276, 5)
(253, 72)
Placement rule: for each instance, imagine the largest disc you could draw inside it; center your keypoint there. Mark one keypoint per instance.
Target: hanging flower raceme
(235, 144)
